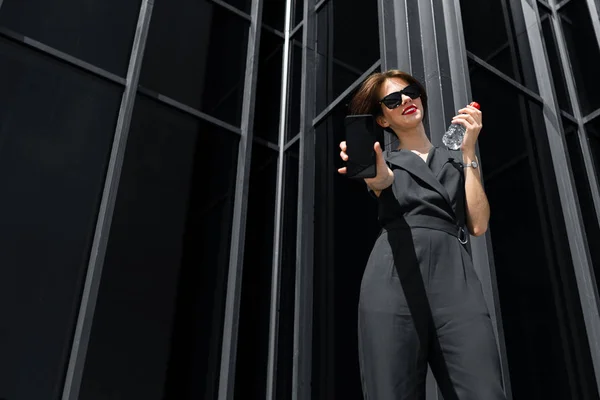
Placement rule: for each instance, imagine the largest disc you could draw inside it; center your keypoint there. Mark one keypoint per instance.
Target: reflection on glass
(347, 45)
(560, 86)
(268, 88)
(253, 336)
(196, 54)
(99, 32)
(584, 53)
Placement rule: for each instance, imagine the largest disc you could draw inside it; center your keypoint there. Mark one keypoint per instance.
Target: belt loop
(462, 234)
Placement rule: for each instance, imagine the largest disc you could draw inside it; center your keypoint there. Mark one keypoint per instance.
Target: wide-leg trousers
(431, 275)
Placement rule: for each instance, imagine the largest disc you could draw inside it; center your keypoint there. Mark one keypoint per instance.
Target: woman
(421, 301)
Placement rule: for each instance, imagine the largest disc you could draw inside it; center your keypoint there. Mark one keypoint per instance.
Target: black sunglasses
(393, 100)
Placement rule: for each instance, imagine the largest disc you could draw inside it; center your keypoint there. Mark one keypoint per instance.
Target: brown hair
(366, 99)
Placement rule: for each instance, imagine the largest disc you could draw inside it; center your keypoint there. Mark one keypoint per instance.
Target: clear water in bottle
(455, 134)
(453, 137)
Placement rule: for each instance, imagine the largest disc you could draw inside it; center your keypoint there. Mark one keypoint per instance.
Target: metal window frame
(271, 391)
(303, 296)
(586, 152)
(89, 297)
(583, 268)
(240, 206)
(481, 246)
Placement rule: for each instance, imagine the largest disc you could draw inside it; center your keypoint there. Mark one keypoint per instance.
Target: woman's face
(407, 116)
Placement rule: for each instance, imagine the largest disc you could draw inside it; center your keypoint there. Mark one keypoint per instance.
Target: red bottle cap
(476, 105)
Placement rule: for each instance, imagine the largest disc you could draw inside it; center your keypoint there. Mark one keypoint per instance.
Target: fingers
(472, 111)
(344, 156)
(342, 170)
(343, 146)
(465, 117)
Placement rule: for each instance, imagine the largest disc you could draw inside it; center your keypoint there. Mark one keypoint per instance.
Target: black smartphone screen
(361, 134)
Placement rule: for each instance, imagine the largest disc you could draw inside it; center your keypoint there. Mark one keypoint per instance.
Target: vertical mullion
(303, 297)
(586, 152)
(480, 246)
(583, 267)
(240, 206)
(89, 296)
(594, 7)
(276, 266)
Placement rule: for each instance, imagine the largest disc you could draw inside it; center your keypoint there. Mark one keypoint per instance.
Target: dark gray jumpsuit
(420, 298)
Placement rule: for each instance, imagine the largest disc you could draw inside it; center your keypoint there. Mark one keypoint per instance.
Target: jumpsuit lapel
(412, 164)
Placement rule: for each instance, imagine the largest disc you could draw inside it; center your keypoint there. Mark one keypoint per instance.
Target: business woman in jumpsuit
(421, 301)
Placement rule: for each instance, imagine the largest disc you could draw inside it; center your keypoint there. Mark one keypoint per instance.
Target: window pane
(344, 52)
(537, 288)
(268, 88)
(285, 353)
(584, 194)
(341, 248)
(243, 5)
(274, 14)
(488, 27)
(253, 337)
(560, 86)
(196, 54)
(164, 278)
(56, 130)
(99, 32)
(583, 53)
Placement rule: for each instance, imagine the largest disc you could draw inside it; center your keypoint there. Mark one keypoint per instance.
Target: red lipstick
(410, 110)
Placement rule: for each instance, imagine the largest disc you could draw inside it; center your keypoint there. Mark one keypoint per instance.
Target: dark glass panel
(541, 310)
(285, 353)
(343, 241)
(196, 54)
(298, 11)
(242, 5)
(56, 130)
(344, 51)
(560, 85)
(253, 337)
(274, 14)
(99, 32)
(158, 321)
(295, 79)
(488, 28)
(584, 54)
(268, 88)
(584, 194)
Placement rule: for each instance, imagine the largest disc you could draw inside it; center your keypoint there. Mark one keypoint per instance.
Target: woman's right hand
(384, 177)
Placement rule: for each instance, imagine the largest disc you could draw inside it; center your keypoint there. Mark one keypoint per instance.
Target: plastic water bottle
(453, 137)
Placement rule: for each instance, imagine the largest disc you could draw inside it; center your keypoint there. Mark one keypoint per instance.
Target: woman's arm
(478, 208)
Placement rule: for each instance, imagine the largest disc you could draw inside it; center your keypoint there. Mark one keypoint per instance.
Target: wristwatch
(472, 164)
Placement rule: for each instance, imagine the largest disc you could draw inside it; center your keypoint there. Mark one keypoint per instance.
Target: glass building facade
(172, 224)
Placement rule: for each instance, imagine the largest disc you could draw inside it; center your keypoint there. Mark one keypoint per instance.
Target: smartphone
(361, 134)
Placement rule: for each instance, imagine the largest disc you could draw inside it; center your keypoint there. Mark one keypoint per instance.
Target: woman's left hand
(470, 118)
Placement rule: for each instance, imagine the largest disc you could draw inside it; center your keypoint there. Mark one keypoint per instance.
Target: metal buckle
(462, 234)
